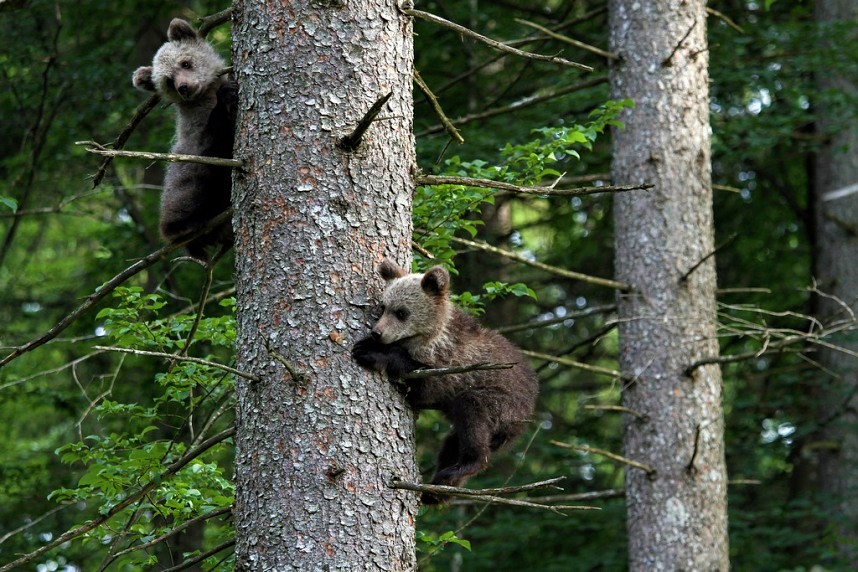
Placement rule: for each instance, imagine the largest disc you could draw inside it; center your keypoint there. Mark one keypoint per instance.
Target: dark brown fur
(187, 71)
(421, 328)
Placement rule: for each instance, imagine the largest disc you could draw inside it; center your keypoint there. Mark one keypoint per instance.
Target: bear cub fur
(187, 72)
(421, 328)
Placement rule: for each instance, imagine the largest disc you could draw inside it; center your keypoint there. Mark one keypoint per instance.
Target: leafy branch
(127, 501)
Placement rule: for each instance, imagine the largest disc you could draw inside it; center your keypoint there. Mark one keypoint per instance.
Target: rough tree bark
(677, 517)
(837, 275)
(317, 446)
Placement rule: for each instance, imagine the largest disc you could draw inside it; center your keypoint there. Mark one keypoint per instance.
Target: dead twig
(175, 357)
(525, 189)
(622, 286)
(424, 373)
(433, 101)
(97, 148)
(352, 141)
(650, 471)
(500, 46)
(568, 40)
(113, 283)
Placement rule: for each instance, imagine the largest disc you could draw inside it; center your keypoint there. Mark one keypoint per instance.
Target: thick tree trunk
(837, 274)
(317, 447)
(677, 517)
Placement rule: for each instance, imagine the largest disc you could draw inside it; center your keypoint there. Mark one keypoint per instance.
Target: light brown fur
(421, 327)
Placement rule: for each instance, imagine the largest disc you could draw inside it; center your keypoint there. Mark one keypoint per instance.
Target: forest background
(82, 424)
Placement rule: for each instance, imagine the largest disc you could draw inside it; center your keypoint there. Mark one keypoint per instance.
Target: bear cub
(419, 328)
(187, 72)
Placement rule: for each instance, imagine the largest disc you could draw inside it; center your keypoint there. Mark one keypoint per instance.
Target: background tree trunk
(315, 451)
(677, 519)
(837, 274)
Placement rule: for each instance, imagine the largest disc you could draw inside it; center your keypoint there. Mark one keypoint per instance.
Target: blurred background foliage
(66, 71)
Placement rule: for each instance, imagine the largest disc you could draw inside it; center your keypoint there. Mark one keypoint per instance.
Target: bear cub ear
(389, 270)
(180, 30)
(142, 79)
(436, 281)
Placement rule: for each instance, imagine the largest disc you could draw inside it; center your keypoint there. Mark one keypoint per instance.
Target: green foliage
(94, 427)
(434, 544)
(441, 211)
(149, 438)
(476, 303)
(9, 203)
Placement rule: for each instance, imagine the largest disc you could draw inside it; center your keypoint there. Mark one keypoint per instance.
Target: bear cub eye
(401, 314)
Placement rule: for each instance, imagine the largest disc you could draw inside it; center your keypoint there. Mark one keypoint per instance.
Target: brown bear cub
(421, 328)
(187, 71)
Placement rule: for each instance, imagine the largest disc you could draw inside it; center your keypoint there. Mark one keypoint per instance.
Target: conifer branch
(578, 365)
(433, 101)
(525, 189)
(523, 103)
(546, 267)
(568, 40)
(490, 495)
(99, 149)
(618, 408)
(500, 46)
(651, 472)
(352, 141)
(432, 372)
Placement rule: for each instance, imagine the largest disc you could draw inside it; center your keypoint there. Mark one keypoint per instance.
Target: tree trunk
(837, 275)
(316, 447)
(677, 516)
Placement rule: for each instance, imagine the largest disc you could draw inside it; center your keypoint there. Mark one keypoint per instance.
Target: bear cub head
(415, 306)
(185, 69)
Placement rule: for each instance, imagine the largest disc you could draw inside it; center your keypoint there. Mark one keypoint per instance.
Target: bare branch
(518, 105)
(727, 241)
(173, 532)
(667, 62)
(433, 101)
(578, 365)
(586, 497)
(424, 373)
(35, 521)
(489, 42)
(124, 503)
(613, 456)
(558, 320)
(200, 557)
(99, 149)
(725, 19)
(397, 484)
(352, 141)
(112, 284)
(296, 376)
(212, 21)
(570, 41)
(176, 357)
(547, 268)
(618, 408)
(488, 495)
(524, 189)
